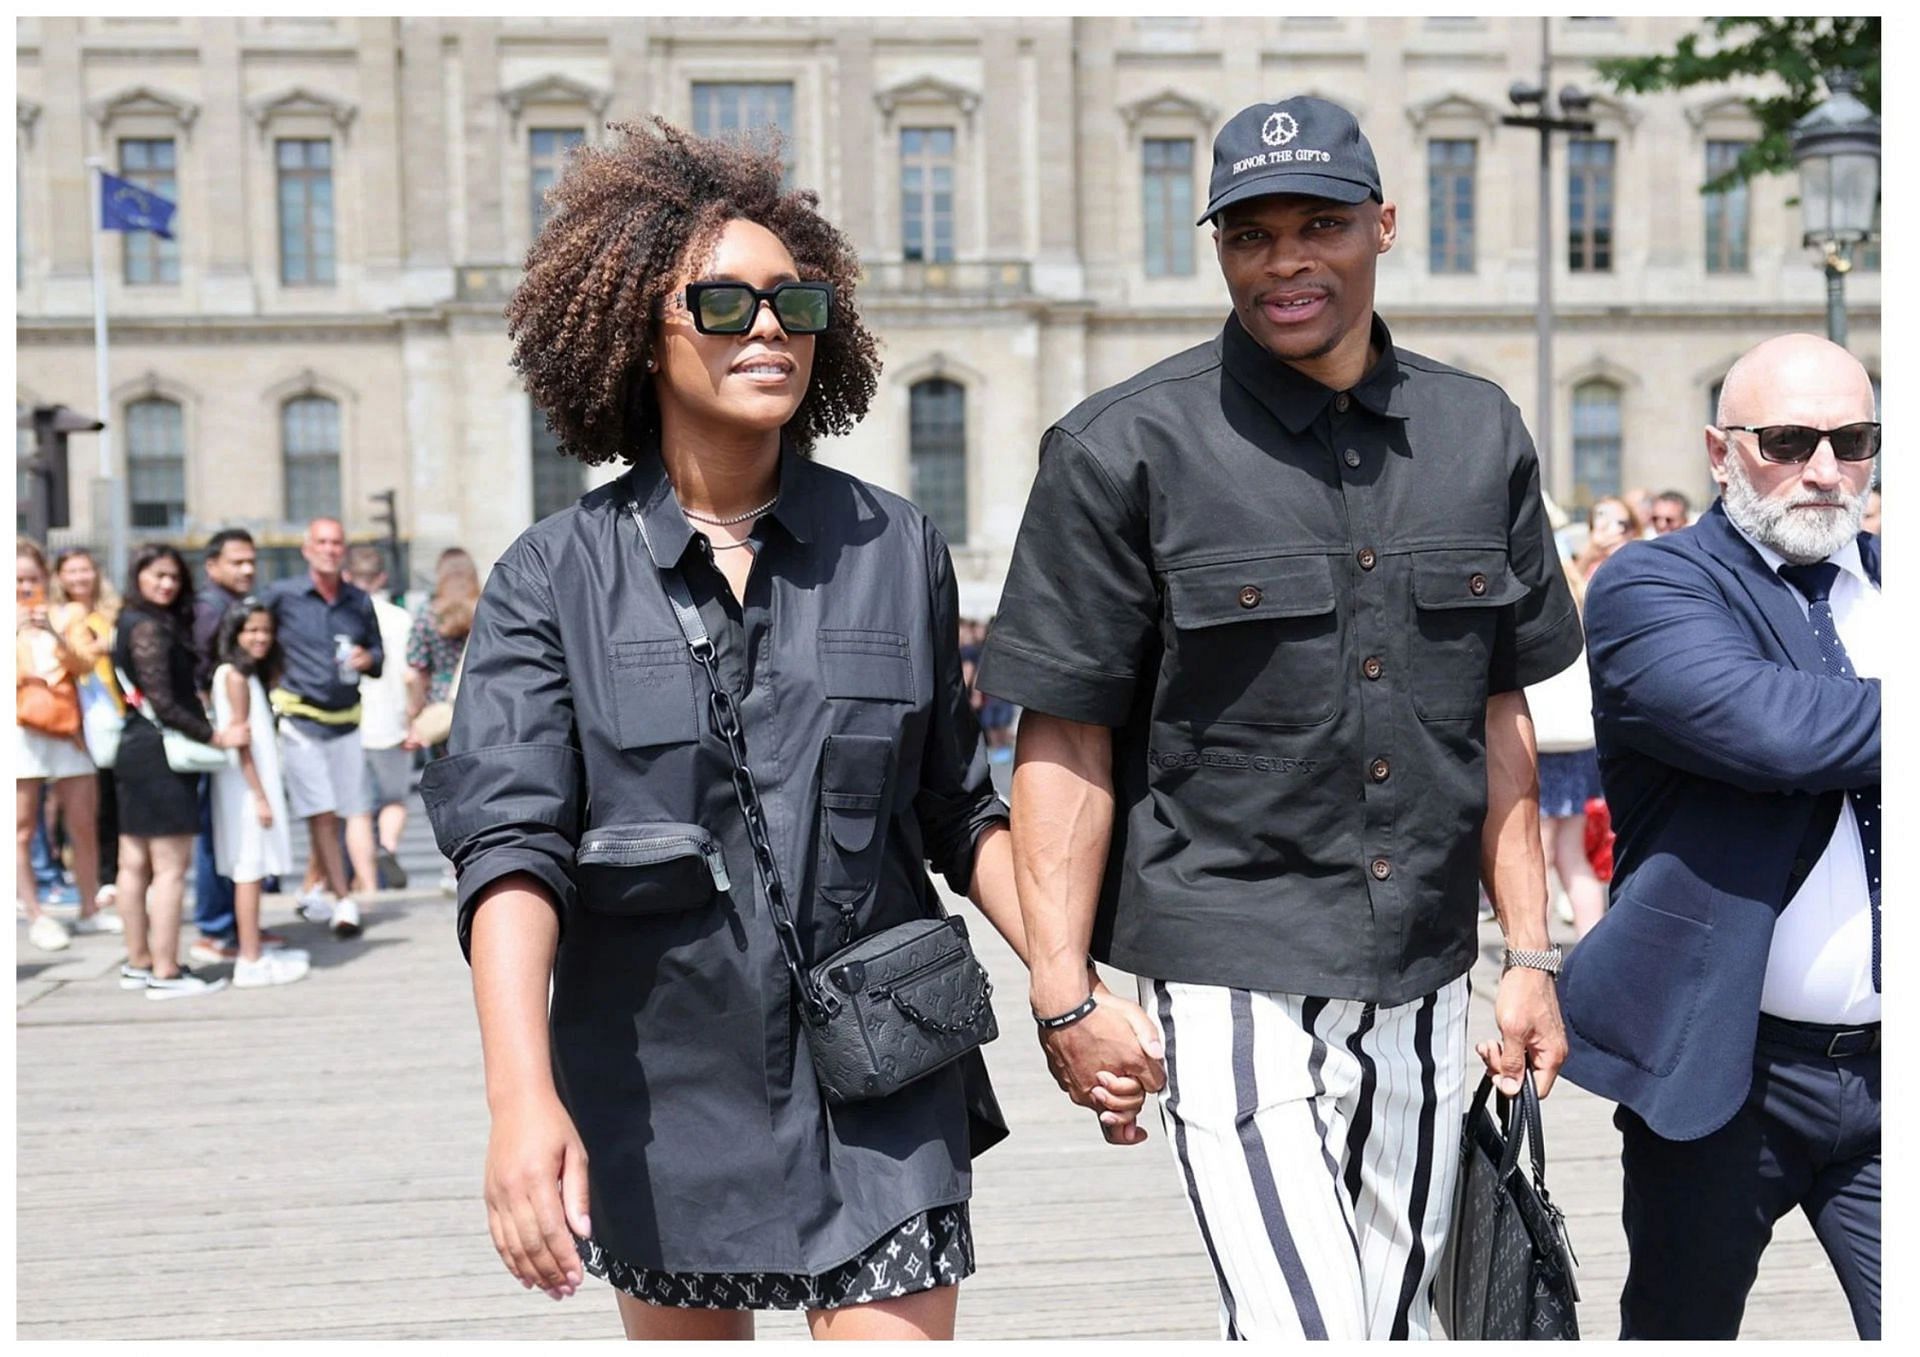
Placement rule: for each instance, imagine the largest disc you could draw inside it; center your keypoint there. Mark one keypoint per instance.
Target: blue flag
(128, 207)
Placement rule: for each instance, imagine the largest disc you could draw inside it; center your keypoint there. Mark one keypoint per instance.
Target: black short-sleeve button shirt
(1275, 593)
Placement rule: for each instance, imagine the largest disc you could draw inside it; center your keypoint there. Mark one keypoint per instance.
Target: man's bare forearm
(1512, 862)
(1062, 824)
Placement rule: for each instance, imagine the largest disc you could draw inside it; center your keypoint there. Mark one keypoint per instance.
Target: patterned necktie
(1815, 582)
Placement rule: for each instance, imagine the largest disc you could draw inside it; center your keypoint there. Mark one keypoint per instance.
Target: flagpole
(103, 395)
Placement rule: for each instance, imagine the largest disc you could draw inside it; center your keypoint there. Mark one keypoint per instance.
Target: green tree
(1798, 52)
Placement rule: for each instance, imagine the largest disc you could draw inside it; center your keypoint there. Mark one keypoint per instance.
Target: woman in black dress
(159, 808)
(588, 804)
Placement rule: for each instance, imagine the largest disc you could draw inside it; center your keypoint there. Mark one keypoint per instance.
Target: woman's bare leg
(657, 1322)
(1569, 857)
(171, 856)
(26, 807)
(130, 898)
(78, 800)
(246, 913)
(923, 1315)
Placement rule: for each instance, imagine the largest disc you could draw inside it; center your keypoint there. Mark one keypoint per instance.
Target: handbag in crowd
(435, 721)
(101, 721)
(50, 709)
(887, 1009)
(1507, 1269)
(184, 753)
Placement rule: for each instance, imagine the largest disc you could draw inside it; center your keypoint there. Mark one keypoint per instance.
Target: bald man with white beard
(1729, 1001)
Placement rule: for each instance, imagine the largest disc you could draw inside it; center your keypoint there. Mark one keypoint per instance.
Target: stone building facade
(355, 195)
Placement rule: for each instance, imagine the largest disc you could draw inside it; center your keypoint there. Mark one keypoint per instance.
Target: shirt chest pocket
(858, 663)
(1256, 643)
(1458, 595)
(652, 688)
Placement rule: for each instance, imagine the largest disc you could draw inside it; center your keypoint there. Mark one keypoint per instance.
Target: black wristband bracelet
(1068, 1019)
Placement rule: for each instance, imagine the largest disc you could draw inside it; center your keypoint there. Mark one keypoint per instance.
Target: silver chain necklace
(729, 522)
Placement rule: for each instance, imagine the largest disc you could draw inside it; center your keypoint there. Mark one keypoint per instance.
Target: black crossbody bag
(889, 1008)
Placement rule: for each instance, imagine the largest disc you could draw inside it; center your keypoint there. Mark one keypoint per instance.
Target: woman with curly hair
(662, 1126)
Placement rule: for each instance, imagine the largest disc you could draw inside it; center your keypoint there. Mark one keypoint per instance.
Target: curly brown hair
(629, 218)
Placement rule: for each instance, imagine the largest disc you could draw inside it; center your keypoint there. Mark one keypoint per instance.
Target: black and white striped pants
(1318, 1140)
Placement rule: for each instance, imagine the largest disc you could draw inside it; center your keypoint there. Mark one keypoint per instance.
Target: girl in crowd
(48, 751)
(1562, 709)
(250, 839)
(87, 607)
(440, 630)
(685, 312)
(436, 643)
(1611, 524)
(159, 808)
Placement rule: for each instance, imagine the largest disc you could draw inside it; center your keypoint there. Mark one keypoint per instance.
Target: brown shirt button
(1477, 585)
(1250, 596)
(1341, 402)
(1367, 558)
(1379, 769)
(1372, 667)
(1352, 457)
(1381, 869)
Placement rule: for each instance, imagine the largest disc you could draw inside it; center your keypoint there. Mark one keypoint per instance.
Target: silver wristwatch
(1548, 961)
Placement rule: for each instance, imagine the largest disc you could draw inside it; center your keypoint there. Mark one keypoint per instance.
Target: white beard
(1800, 537)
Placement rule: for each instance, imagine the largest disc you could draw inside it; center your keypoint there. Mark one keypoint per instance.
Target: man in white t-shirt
(383, 725)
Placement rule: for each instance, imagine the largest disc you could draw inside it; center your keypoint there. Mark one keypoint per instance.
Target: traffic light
(389, 517)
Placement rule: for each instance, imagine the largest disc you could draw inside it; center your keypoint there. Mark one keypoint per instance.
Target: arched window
(310, 448)
(1596, 440)
(156, 465)
(938, 452)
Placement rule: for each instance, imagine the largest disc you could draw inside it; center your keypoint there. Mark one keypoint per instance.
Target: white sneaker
(185, 985)
(279, 967)
(134, 977)
(48, 934)
(106, 896)
(100, 921)
(346, 919)
(316, 906)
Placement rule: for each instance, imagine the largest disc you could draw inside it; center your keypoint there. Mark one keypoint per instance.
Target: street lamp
(1573, 103)
(1836, 148)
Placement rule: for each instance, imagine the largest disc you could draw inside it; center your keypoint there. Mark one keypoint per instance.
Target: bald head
(1796, 379)
(1809, 509)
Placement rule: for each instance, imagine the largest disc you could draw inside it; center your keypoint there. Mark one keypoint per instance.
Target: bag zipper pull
(717, 864)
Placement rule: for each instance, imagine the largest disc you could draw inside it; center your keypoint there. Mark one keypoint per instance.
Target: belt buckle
(1833, 1051)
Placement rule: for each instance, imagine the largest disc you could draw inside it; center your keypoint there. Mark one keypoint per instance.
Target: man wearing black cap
(1270, 614)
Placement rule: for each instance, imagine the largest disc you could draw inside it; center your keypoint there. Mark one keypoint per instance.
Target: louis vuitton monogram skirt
(932, 1248)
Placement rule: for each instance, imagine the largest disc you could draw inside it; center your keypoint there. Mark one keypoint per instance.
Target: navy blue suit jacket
(1725, 750)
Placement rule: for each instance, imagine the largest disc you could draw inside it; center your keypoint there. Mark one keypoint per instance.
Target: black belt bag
(887, 1009)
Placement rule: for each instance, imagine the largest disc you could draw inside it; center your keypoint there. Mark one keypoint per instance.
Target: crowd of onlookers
(170, 732)
(248, 710)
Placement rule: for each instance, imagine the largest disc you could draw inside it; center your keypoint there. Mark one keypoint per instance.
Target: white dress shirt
(1821, 966)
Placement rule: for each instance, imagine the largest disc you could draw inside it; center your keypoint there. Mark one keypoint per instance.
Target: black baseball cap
(1301, 145)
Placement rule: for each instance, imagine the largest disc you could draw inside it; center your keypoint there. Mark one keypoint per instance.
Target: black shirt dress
(582, 753)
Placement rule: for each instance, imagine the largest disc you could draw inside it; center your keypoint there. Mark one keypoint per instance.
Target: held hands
(1528, 1013)
(233, 737)
(536, 1193)
(1109, 1061)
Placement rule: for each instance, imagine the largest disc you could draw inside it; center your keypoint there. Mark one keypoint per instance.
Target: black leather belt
(1833, 1042)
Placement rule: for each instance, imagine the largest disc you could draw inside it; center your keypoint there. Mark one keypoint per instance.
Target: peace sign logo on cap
(1279, 129)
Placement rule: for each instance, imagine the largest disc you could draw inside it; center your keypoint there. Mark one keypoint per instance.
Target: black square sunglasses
(1796, 442)
(730, 308)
